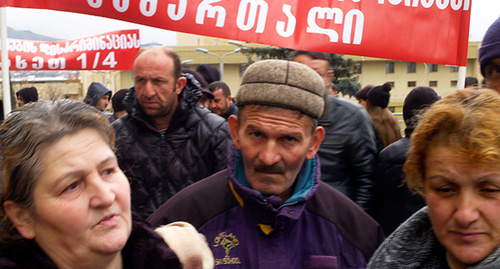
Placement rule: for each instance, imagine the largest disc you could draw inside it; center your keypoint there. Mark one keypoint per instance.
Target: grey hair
(25, 134)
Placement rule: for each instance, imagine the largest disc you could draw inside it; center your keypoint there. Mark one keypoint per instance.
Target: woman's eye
(71, 186)
(108, 171)
(444, 190)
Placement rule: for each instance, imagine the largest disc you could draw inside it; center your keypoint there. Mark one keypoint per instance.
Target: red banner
(110, 51)
(430, 31)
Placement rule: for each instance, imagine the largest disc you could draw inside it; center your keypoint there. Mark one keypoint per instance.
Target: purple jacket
(322, 229)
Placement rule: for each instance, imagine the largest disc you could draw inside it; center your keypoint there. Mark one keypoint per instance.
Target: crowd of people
(283, 175)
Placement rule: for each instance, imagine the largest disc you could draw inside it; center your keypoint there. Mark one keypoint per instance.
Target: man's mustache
(275, 168)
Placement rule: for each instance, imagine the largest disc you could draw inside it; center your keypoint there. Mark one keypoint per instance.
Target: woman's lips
(466, 236)
(109, 220)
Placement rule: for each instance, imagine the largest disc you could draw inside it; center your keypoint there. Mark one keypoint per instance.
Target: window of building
(453, 68)
(389, 67)
(433, 83)
(391, 83)
(412, 67)
(433, 67)
(453, 83)
(412, 83)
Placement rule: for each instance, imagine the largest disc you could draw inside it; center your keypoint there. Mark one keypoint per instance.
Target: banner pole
(461, 77)
(5, 62)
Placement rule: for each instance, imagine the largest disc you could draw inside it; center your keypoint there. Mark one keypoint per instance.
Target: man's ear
(181, 82)
(330, 74)
(317, 138)
(21, 219)
(233, 128)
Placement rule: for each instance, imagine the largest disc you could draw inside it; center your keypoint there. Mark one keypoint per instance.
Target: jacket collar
(305, 187)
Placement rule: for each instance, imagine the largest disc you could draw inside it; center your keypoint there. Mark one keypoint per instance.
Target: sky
(47, 22)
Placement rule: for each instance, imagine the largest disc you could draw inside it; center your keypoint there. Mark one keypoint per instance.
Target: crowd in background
(295, 174)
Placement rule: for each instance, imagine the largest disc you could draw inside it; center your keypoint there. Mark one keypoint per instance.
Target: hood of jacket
(29, 94)
(187, 98)
(95, 92)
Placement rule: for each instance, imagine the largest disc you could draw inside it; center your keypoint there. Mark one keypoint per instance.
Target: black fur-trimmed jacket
(159, 164)
(144, 249)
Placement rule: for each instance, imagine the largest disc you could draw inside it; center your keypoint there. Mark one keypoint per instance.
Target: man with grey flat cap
(269, 208)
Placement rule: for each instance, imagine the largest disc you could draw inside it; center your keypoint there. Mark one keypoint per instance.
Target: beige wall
(374, 72)
(111, 79)
(51, 90)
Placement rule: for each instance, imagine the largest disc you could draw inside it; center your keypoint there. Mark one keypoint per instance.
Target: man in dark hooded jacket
(26, 95)
(166, 142)
(98, 95)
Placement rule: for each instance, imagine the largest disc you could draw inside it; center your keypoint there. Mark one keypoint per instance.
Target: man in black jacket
(166, 142)
(348, 151)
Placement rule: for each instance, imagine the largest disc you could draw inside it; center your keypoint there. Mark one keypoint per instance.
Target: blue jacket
(318, 227)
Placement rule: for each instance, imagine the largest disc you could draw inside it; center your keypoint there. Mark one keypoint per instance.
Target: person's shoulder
(197, 203)
(119, 123)
(23, 253)
(211, 119)
(352, 222)
(395, 152)
(333, 204)
(346, 104)
(345, 109)
(414, 238)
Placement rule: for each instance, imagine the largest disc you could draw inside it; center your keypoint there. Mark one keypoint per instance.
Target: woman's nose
(102, 195)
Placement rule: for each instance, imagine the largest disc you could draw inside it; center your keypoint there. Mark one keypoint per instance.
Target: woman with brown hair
(454, 164)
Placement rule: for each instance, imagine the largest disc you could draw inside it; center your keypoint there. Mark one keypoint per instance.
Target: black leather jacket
(393, 201)
(159, 164)
(348, 152)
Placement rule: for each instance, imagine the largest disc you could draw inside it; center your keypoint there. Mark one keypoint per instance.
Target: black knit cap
(490, 47)
(417, 99)
(379, 95)
(116, 100)
(363, 92)
(209, 72)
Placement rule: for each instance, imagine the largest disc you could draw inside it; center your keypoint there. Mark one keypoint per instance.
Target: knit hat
(362, 93)
(209, 72)
(284, 84)
(201, 80)
(379, 95)
(116, 100)
(417, 99)
(490, 47)
(29, 94)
